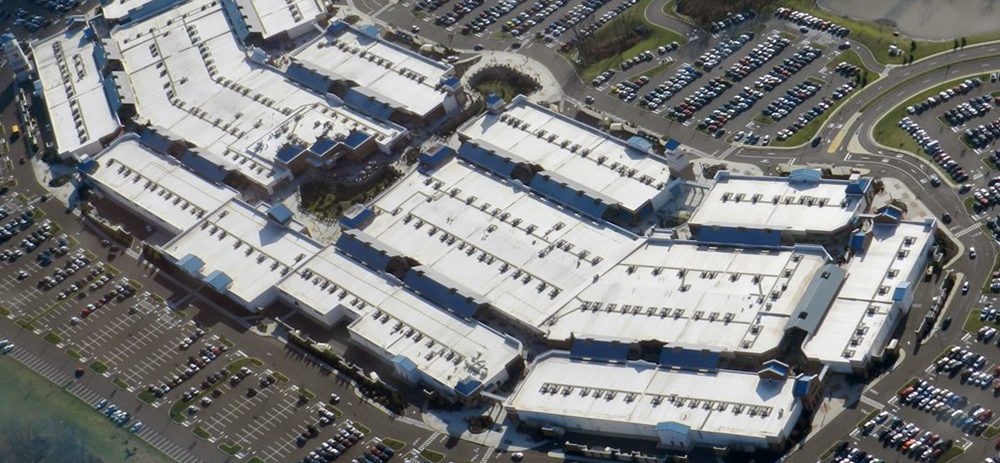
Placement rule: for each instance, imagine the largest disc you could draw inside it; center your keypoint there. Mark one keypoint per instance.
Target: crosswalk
(967, 230)
(872, 402)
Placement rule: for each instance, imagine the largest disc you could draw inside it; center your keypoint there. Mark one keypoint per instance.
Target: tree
(955, 45)
(913, 46)
(963, 42)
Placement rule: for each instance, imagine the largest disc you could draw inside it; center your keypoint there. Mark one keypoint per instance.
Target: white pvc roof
(776, 204)
(399, 322)
(221, 101)
(685, 294)
(157, 184)
(241, 242)
(864, 306)
(277, 16)
(634, 387)
(403, 76)
(524, 255)
(72, 88)
(600, 162)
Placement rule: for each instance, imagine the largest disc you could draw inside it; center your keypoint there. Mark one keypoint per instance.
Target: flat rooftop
(397, 74)
(192, 77)
(157, 184)
(523, 254)
(444, 347)
(73, 89)
(240, 241)
(272, 17)
(125, 9)
(778, 203)
(640, 394)
(864, 308)
(594, 159)
(691, 295)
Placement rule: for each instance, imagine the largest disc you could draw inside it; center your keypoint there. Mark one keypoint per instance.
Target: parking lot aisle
(228, 414)
(265, 423)
(152, 363)
(281, 448)
(136, 342)
(99, 339)
(40, 366)
(169, 448)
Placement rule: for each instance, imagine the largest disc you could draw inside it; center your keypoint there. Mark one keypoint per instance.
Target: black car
(946, 217)
(945, 323)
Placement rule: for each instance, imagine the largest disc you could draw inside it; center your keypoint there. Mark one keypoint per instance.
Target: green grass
(35, 407)
(99, 367)
(279, 376)
(37, 213)
(878, 37)
(763, 120)
(658, 36)
(651, 72)
(806, 134)
(226, 342)
(887, 130)
(111, 269)
(52, 338)
(973, 323)
(955, 452)
(20, 197)
(364, 429)
(909, 383)
(255, 460)
(868, 418)
(120, 383)
(147, 397)
(393, 444)
(74, 354)
(432, 456)
(307, 393)
(202, 433)
(502, 89)
(231, 449)
(158, 298)
(969, 204)
(4, 311)
(26, 323)
(334, 410)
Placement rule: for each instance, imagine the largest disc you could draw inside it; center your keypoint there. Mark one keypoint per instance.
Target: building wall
(137, 210)
(330, 319)
(665, 438)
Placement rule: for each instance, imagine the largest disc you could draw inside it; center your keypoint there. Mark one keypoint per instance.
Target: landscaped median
(887, 130)
(230, 448)
(432, 456)
(620, 39)
(866, 77)
(177, 410)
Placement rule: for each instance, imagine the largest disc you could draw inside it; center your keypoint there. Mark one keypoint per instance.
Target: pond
(925, 19)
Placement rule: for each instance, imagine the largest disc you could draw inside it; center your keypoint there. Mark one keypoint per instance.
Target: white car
(972, 252)
(965, 287)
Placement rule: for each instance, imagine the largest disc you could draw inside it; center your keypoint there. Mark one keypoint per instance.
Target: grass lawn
(147, 397)
(805, 134)
(956, 452)
(878, 37)
(42, 422)
(658, 36)
(652, 72)
(279, 376)
(99, 367)
(334, 410)
(255, 460)
(763, 120)
(969, 202)
(202, 433)
(52, 338)
(73, 353)
(4, 311)
(230, 448)
(226, 342)
(868, 418)
(501, 88)
(364, 429)
(887, 130)
(120, 383)
(432, 456)
(909, 383)
(393, 444)
(973, 323)
(307, 393)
